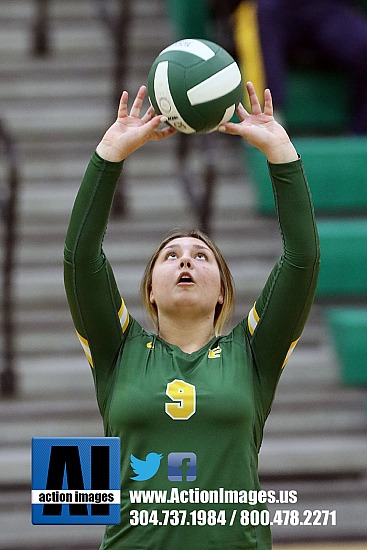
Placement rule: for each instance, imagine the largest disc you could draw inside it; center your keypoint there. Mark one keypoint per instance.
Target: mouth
(185, 279)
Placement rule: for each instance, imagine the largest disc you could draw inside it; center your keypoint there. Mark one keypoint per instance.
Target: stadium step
(348, 328)
(344, 258)
(308, 107)
(335, 168)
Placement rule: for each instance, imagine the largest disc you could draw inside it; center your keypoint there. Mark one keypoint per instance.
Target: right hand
(129, 132)
(261, 130)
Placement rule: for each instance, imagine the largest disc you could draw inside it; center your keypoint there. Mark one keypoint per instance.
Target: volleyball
(196, 84)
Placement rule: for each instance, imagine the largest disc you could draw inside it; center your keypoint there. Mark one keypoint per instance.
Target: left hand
(261, 130)
(131, 131)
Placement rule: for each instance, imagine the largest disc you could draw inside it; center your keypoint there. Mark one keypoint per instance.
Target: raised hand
(130, 131)
(261, 130)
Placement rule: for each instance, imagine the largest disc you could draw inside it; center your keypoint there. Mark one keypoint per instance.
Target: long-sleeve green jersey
(190, 425)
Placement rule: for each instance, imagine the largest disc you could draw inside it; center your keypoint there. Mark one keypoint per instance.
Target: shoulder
(135, 330)
(237, 336)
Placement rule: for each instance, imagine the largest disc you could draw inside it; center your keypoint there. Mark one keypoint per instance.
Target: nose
(185, 262)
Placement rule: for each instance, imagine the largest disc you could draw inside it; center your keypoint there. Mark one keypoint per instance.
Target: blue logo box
(75, 480)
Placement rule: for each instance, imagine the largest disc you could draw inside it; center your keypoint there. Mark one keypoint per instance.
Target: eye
(170, 255)
(201, 256)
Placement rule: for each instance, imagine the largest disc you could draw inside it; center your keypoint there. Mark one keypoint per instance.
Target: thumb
(156, 121)
(149, 129)
(230, 128)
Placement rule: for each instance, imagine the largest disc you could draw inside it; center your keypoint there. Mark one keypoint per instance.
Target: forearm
(90, 213)
(295, 213)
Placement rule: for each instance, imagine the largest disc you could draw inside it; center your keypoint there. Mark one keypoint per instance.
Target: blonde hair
(223, 311)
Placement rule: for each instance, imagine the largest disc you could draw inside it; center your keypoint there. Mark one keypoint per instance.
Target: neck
(188, 335)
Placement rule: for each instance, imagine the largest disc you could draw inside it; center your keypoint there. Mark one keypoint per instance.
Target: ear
(151, 297)
(220, 298)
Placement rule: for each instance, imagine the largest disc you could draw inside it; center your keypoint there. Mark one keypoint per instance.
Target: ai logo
(75, 480)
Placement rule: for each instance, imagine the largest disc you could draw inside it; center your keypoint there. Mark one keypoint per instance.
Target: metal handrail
(200, 186)
(8, 375)
(41, 42)
(115, 24)
(118, 25)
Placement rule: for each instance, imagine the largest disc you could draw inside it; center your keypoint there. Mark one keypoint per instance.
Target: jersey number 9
(183, 396)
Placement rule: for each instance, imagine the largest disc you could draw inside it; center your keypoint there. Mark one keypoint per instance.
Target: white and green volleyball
(196, 84)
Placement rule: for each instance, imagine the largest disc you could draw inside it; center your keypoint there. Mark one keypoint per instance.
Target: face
(186, 275)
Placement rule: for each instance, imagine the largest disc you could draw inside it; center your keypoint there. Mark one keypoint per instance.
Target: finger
(156, 133)
(157, 120)
(151, 125)
(150, 113)
(268, 106)
(162, 133)
(230, 128)
(122, 110)
(241, 111)
(255, 105)
(138, 102)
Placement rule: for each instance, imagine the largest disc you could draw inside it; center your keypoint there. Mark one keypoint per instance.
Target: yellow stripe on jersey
(86, 348)
(252, 320)
(123, 316)
(291, 348)
(247, 39)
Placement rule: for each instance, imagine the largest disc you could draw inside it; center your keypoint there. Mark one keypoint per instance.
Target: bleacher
(56, 107)
(336, 172)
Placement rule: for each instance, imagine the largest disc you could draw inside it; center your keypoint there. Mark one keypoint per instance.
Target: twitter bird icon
(145, 469)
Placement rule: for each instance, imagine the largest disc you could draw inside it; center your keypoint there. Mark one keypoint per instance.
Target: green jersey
(190, 425)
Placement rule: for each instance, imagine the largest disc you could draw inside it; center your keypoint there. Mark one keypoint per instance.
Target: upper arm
(99, 314)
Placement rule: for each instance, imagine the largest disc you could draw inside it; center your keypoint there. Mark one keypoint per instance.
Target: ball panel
(215, 111)
(197, 72)
(184, 59)
(213, 116)
(164, 100)
(178, 88)
(227, 117)
(230, 111)
(151, 93)
(200, 48)
(218, 85)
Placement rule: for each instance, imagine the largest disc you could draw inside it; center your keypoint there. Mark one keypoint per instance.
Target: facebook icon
(182, 466)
